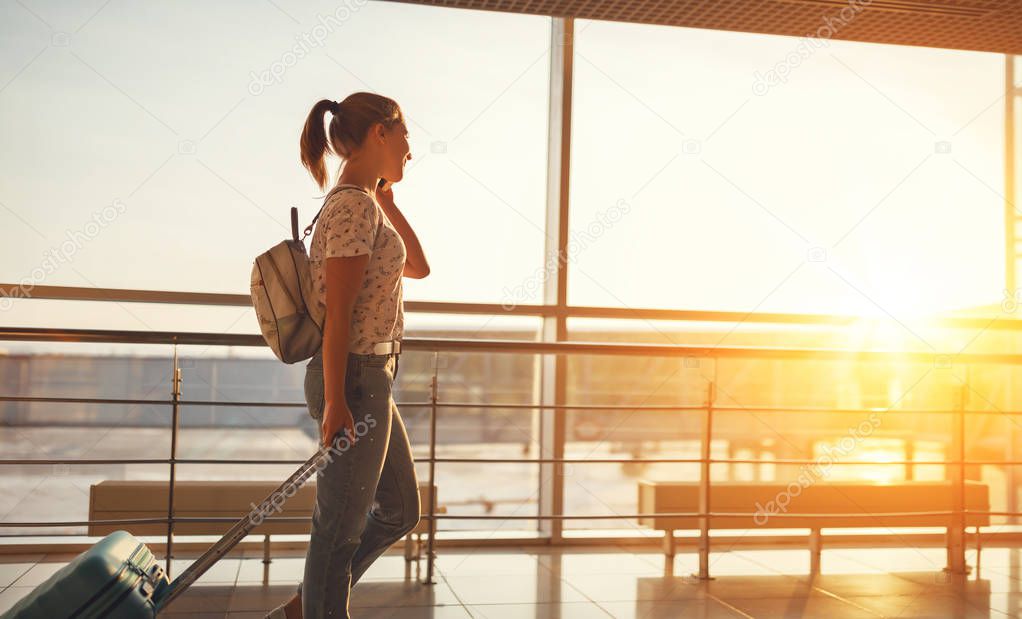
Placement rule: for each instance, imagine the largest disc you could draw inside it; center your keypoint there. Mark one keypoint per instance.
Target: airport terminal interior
(720, 316)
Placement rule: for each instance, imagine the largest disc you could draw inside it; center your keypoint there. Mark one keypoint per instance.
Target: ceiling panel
(985, 25)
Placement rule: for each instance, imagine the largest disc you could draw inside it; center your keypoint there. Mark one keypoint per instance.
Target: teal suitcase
(120, 578)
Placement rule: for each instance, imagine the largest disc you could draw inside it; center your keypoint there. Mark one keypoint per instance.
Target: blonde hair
(348, 128)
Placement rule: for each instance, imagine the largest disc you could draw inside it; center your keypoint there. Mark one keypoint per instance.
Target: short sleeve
(350, 225)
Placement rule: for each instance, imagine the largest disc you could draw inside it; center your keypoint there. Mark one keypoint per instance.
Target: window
(865, 183)
(145, 156)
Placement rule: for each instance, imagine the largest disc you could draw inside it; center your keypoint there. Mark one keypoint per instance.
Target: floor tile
(1007, 603)
(778, 561)
(837, 562)
(997, 557)
(513, 589)
(688, 609)
(250, 598)
(392, 567)
(365, 594)
(280, 571)
(401, 593)
(563, 610)
(866, 584)
(764, 587)
(37, 574)
(1006, 578)
(224, 571)
(10, 572)
(12, 595)
(203, 599)
(414, 612)
(624, 587)
(810, 607)
(929, 605)
(725, 563)
(495, 563)
(603, 562)
(900, 559)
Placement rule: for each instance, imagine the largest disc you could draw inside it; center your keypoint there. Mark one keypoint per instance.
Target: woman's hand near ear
(416, 265)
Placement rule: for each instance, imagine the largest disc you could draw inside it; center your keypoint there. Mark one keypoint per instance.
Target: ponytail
(349, 124)
(314, 142)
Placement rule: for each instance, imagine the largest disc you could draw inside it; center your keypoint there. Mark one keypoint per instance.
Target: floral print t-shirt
(351, 224)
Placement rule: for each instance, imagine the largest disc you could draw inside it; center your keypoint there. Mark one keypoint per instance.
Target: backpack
(280, 285)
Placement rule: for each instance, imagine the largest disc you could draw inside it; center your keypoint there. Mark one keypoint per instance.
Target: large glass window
(867, 181)
(156, 147)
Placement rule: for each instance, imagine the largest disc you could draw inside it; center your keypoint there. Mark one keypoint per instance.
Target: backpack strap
(308, 230)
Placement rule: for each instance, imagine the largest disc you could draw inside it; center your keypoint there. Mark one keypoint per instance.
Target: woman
(367, 496)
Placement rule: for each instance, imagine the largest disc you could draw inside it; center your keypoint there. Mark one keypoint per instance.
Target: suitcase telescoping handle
(242, 528)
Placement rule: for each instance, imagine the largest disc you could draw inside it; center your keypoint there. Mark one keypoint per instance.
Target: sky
(154, 146)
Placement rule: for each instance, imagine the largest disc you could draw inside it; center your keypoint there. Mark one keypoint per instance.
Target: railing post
(431, 535)
(175, 396)
(1012, 96)
(704, 482)
(956, 532)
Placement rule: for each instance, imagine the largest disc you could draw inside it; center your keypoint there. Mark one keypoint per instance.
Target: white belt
(384, 348)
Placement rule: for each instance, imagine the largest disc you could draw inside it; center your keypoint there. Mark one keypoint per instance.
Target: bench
(120, 499)
(760, 503)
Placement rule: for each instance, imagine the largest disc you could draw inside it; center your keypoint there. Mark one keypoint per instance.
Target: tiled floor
(608, 582)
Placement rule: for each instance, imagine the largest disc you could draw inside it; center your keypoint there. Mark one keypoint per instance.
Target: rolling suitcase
(120, 578)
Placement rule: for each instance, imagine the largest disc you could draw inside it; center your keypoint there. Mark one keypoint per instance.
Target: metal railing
(708, 410)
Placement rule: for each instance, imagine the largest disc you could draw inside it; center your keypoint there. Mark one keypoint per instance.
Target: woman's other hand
(335, 420)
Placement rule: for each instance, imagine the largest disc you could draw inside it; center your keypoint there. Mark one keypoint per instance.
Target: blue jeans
(367, 497)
